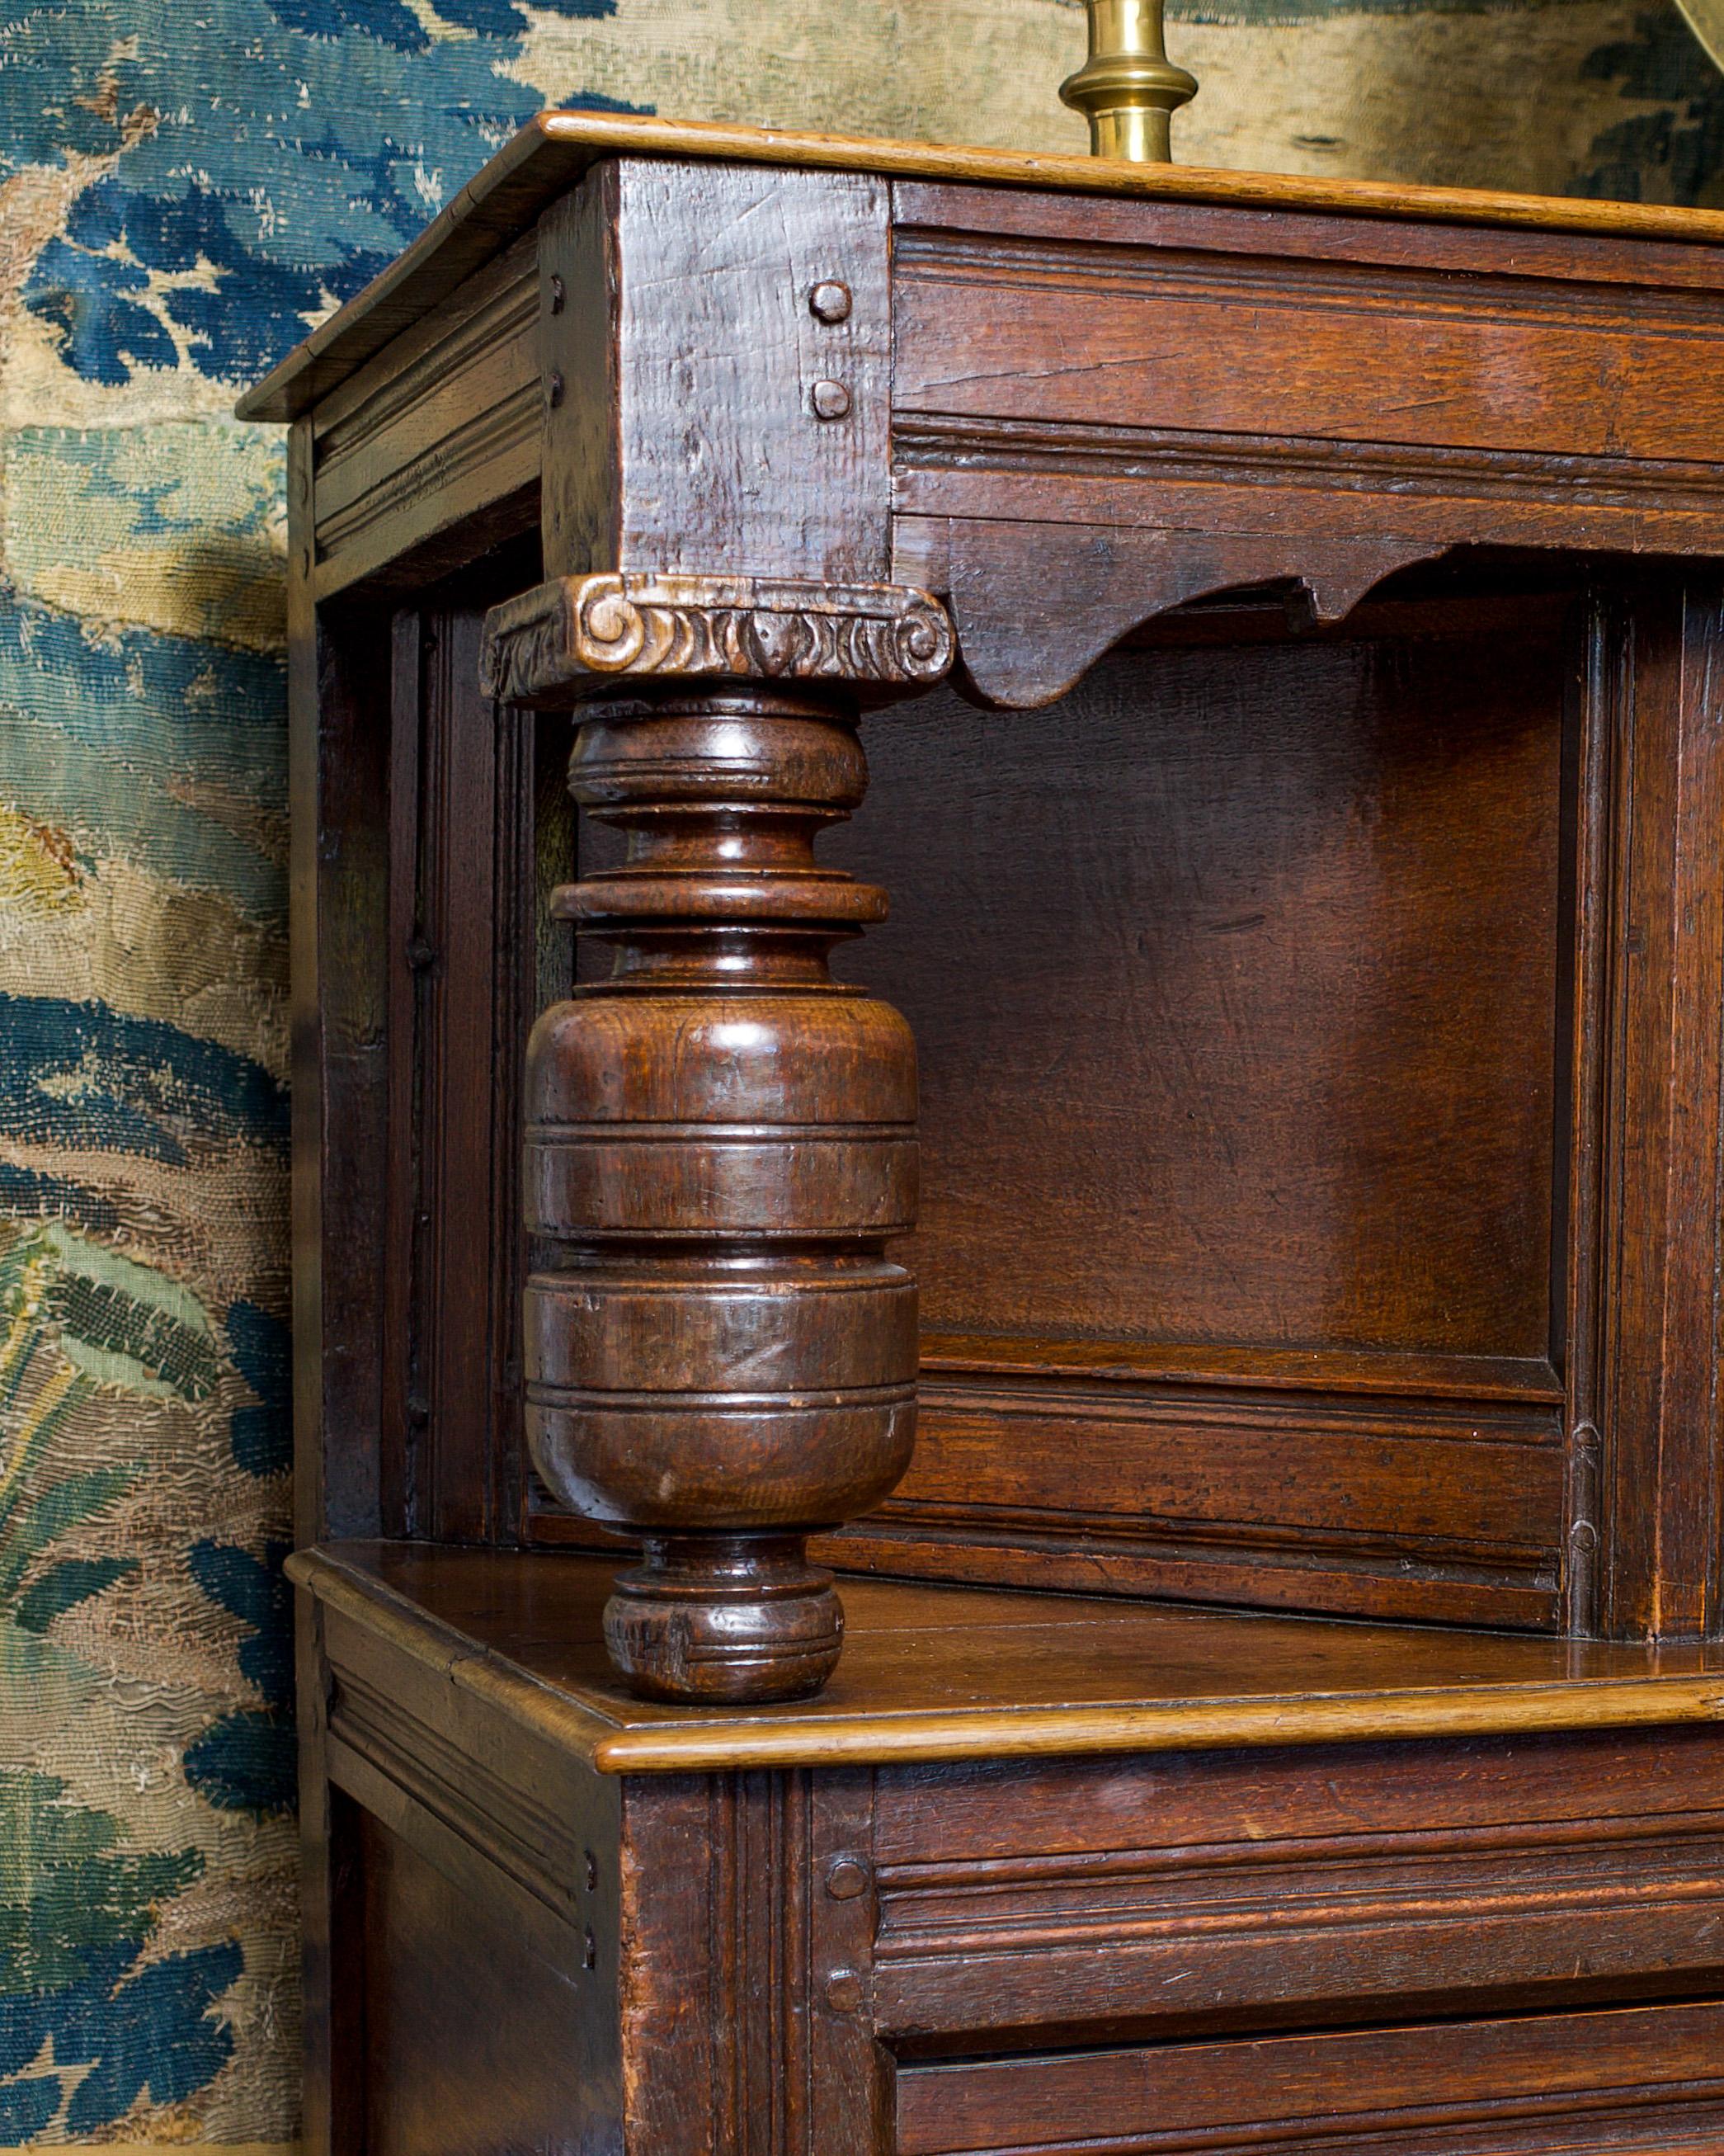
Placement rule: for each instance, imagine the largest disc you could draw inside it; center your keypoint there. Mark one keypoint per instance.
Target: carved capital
(548, 645)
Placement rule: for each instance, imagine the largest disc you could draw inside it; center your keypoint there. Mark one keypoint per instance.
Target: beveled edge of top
(599, 1727)
(552, 151)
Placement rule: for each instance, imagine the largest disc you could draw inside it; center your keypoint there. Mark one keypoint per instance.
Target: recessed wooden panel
(1234, 981)
(461, 812)
(460, 949)
(470, 2041)
(1154, 334)
(1237, 984)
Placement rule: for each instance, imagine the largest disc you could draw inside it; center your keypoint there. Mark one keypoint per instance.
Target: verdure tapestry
(186, 186)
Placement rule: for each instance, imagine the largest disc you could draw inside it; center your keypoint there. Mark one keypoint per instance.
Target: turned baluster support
(721, 1138)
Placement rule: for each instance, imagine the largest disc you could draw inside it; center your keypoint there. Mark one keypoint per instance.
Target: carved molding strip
(497, 449)
(1123, 274)
(549, 643)
(1171, 456)
(496, 1814)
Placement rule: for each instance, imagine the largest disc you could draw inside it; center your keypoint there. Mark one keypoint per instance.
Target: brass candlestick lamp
(1705, 19)
(1128, 88)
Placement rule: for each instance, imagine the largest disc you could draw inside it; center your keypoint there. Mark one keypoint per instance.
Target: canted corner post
(720, 1137)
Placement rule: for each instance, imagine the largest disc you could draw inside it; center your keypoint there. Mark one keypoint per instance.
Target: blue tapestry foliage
(165, 1348)
(27, 2107)
(256, 1591)
(245, 1762)
(63, 1585)
(25, 1194)
(154, 2032)
(36, 1512)
(141, 722)
(80, 1073)
(262, 1432)
(244, 200)
(1683, 139)
(72, 1928)
(146, 770)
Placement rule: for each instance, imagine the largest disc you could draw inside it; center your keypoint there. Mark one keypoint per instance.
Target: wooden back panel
(1320, 1192)
(1233, 979)
(1238, 982)
(1361, 1258)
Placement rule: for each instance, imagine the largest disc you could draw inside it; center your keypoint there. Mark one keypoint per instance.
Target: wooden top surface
(932, 1673)
(552, 152)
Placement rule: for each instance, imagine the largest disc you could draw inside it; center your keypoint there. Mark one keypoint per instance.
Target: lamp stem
(1128, 87)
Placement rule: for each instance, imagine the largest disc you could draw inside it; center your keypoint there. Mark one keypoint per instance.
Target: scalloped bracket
(1035, 607)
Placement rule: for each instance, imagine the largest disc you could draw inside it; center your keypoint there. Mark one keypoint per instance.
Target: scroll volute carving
(720, 1143)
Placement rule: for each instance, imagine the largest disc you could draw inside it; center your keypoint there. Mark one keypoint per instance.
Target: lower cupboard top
(939, 1673)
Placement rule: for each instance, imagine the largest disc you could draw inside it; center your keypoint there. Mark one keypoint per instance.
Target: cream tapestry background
(185, 185)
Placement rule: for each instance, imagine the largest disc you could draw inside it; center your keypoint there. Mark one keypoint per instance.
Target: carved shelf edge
(552, 642)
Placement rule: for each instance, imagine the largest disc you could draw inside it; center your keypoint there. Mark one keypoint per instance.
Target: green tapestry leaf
(65, 1585)
(79, 1896)
(62, 1506)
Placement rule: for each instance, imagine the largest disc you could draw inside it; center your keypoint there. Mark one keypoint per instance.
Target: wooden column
(720, 1139)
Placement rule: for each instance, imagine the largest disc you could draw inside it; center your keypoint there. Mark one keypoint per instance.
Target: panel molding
(1488, 1435)
(1641, 2080)
(443, 426)
(517, 1830)
(1184, 457)
(1172, 272)
(1138, 1934)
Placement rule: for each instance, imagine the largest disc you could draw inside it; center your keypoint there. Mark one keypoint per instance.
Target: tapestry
(186, 187)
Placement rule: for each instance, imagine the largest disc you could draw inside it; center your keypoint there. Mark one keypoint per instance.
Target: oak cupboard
(1009, 961)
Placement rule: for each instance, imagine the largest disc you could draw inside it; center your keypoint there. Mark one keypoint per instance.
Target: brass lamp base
(1128, 88)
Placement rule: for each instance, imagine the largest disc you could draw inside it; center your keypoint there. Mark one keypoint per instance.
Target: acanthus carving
(545, 643)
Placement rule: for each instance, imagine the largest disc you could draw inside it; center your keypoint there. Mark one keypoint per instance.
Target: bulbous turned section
(720, 1140)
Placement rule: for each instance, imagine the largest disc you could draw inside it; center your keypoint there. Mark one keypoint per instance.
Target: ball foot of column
(742, 1619)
